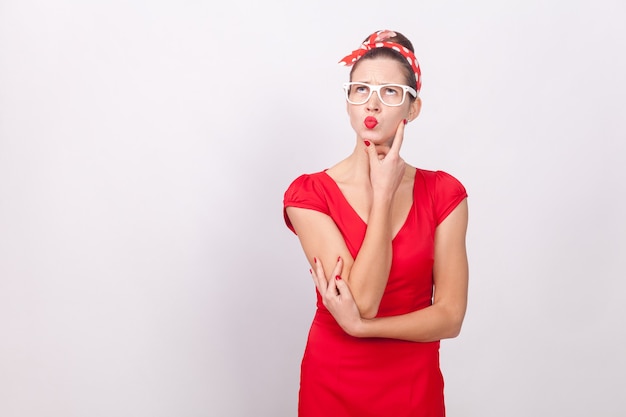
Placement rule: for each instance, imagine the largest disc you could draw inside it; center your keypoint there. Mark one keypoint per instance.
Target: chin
(372, 135)
(378, 140)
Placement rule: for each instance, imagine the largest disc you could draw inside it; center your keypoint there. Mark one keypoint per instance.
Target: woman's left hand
(337, 298)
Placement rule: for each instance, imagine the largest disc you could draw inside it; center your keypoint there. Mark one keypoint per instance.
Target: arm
(319, 235)
(443, 318)
(321, 240)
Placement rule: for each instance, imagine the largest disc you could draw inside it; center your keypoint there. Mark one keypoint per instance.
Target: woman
(386, 242)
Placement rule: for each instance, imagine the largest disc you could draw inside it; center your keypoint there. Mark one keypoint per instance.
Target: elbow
(368, 310)
(369, 313)
(368, 307)
(454, 327)
(454, 331)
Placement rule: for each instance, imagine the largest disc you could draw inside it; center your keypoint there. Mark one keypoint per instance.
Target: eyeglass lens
(390, 95)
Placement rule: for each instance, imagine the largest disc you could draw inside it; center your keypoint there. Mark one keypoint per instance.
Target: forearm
(432, 323)
(370, 270)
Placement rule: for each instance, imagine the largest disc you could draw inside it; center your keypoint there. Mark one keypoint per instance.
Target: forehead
(380, 70)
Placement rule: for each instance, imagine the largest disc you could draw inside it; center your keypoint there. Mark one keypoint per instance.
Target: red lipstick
(370, 122)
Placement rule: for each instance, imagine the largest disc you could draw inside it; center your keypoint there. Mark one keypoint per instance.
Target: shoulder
(306, 192)
(305, 186)
(439, 180)
(307, 179)
(444, 190)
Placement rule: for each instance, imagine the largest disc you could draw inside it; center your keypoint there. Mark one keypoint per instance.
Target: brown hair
(390, 53)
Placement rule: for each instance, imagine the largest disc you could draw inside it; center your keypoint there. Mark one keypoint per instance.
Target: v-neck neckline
(356, 214)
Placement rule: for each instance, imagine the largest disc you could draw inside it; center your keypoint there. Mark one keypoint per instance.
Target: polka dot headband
(378, 40)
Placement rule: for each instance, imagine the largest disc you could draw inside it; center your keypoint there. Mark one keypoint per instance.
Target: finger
(332, 287)
(315, 280)
(342, 288)
(338, 267)
(319, 276)
(371, 153)
(331, 290)
(398, 138)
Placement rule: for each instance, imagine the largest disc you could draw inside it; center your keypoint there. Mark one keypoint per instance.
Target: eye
(361, 89)
(390, 90)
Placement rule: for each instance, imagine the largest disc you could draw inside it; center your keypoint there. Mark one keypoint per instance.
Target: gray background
(145, 146)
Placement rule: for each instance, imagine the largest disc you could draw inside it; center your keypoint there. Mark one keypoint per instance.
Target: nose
(373, 104)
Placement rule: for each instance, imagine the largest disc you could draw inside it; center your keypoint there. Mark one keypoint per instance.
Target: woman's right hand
(387, 170)
(337, 297)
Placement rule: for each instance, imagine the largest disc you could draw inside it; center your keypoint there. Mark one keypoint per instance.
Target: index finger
(319, 277)
(398, 138)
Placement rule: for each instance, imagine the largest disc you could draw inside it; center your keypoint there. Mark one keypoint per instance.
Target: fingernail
(337, 277)
(310, 271)
(406, 121)
(339, 259)
(366, 142)
(315, 260)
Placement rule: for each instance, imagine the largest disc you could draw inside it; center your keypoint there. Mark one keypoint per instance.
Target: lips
(370, 122)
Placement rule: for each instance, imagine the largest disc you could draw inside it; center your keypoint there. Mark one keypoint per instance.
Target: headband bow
(378, 40)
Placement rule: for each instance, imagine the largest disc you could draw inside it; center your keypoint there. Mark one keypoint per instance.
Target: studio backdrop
(145, 146)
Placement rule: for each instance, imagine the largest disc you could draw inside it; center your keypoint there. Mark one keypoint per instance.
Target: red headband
(377, 40)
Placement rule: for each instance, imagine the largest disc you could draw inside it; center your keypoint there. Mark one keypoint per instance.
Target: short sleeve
(449, 192)
(304, 192)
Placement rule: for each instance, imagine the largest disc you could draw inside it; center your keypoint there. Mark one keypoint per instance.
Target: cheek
(399, 115)
(354, 116)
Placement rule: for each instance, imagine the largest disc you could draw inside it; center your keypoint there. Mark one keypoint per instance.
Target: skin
(378, 184)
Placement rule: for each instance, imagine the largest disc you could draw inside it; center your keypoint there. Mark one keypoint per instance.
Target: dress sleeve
(449, 192)
(305, 193)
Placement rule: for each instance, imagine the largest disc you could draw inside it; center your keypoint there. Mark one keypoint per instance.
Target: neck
(355, 167)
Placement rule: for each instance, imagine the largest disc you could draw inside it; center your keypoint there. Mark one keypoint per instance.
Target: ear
(414, 109)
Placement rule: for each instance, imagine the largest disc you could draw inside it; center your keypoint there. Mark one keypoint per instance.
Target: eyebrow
(369, 82)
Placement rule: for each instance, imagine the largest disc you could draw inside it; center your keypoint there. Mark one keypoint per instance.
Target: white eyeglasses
(391, 95)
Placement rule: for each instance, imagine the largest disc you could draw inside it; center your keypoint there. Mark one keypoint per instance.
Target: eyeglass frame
(405, 89)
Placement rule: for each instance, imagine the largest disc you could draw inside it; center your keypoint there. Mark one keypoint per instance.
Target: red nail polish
(339, 259)
(337, 277)
(406, 121)
(311, 271)
(367, 142)
(315, 260)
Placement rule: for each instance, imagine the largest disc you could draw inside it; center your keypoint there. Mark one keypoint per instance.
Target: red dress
(344, 376)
